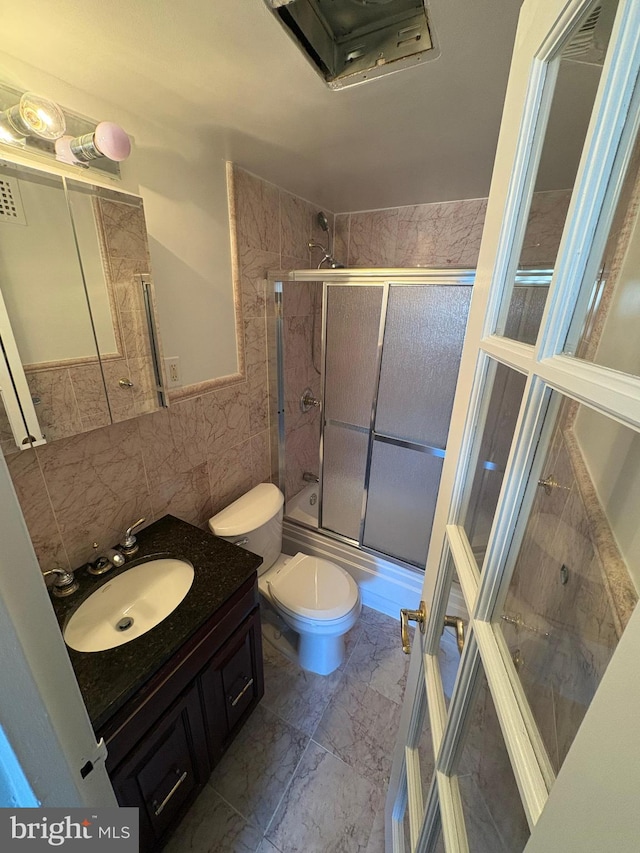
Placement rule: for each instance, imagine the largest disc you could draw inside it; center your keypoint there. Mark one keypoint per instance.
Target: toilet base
(319, 654)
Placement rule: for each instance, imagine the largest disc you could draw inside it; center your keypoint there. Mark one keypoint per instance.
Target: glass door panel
(352, 343)
(493, 812)
(402, 493)
(344, 467)
(423, 337)
(572, 592)
(504, 391)
(605, 323)
(579, 69)
(351, 365)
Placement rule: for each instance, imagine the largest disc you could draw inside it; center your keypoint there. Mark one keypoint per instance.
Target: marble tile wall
(302, 312)
(193, 458)
(445, 234)
(208, 449)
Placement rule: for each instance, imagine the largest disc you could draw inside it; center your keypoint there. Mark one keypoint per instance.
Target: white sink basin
(129, 605)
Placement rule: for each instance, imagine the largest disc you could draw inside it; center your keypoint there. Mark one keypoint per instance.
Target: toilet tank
(256, 517)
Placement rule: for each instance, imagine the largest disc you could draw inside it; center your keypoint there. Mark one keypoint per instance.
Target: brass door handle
(406, 616)
(458, 624)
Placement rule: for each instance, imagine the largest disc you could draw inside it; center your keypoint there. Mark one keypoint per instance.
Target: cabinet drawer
(166, 770)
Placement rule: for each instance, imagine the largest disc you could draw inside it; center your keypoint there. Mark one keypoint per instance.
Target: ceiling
(226, 71)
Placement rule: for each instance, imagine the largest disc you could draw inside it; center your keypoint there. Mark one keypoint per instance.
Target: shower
(323, 222)
(380, 389)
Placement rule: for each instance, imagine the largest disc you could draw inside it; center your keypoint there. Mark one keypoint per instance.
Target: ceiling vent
(352, 41)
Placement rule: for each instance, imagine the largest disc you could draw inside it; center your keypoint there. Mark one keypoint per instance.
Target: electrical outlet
(172, 369)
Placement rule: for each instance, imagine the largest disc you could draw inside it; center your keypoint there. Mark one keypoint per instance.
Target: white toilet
(316, 598)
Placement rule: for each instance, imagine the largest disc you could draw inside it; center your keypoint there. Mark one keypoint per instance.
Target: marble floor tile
(378, 659)
(359, 726)
(212, 826)
(328, 808)
(259, 765)
(376, 839)
(267, 847)
(297, 696)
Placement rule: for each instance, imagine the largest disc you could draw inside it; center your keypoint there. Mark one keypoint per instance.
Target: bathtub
(303, 507)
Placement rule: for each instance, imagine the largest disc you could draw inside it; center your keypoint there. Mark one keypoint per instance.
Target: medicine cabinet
(79, 345)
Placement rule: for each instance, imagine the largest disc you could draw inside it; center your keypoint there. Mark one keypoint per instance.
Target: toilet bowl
(317, 599)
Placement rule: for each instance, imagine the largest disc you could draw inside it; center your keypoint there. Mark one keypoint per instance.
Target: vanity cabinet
(164, 742)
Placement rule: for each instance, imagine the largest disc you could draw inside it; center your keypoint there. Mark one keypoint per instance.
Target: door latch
(406, 616)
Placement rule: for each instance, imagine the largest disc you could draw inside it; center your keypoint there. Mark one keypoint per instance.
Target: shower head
(323, 222)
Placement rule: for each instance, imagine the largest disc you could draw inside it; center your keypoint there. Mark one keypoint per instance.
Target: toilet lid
(314, 588)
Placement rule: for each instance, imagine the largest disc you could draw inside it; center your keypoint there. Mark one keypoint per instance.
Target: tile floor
(309, 770)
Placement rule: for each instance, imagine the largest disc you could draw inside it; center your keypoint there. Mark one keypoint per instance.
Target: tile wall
(445, 234)
(206, 450)
(191, 459)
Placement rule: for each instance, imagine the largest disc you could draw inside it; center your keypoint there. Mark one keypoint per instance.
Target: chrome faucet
(110, 559)
(308, 401)
(129, 545)
(65, 583)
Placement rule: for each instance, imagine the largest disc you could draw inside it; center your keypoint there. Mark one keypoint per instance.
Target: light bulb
(107, 140)
(111, 140)
(33, 116)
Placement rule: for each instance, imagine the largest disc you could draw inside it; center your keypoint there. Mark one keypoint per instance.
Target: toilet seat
(313, 588)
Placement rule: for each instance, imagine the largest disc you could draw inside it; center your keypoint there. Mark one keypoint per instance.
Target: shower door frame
(364, 277)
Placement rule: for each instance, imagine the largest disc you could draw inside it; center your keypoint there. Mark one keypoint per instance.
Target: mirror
(77, 307)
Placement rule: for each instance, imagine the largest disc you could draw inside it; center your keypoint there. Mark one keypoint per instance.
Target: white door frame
(543, 28)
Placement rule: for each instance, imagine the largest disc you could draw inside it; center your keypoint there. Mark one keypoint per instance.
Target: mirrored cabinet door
(112, 241)
(76, 291)
(46, 303)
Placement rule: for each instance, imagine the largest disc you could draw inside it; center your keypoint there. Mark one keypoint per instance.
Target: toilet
(317, 599)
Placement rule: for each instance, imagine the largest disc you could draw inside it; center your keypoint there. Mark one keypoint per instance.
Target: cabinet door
(162, 775)
(232, 684)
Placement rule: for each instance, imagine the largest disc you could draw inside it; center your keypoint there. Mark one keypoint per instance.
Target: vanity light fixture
(46, 130)
(33, 115)
(107, 140)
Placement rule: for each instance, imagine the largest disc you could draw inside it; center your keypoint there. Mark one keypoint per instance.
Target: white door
(528, 739)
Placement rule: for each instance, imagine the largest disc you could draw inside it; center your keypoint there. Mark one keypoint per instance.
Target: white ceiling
(226, 71)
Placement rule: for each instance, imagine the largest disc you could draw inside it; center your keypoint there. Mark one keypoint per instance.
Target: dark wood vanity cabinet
(163, 744)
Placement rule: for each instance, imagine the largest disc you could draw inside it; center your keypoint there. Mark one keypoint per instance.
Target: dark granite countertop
(107, 679)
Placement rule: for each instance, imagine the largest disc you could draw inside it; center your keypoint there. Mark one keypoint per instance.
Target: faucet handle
(130, 545)
(64, 583)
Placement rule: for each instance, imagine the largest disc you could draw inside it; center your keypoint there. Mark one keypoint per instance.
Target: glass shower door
(392, 353)
(352, 338)
(423, 337)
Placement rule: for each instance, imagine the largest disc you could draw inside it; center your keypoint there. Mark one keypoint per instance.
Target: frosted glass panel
(343, 470)
(423, 338)
(353, 322)
(403, 488)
